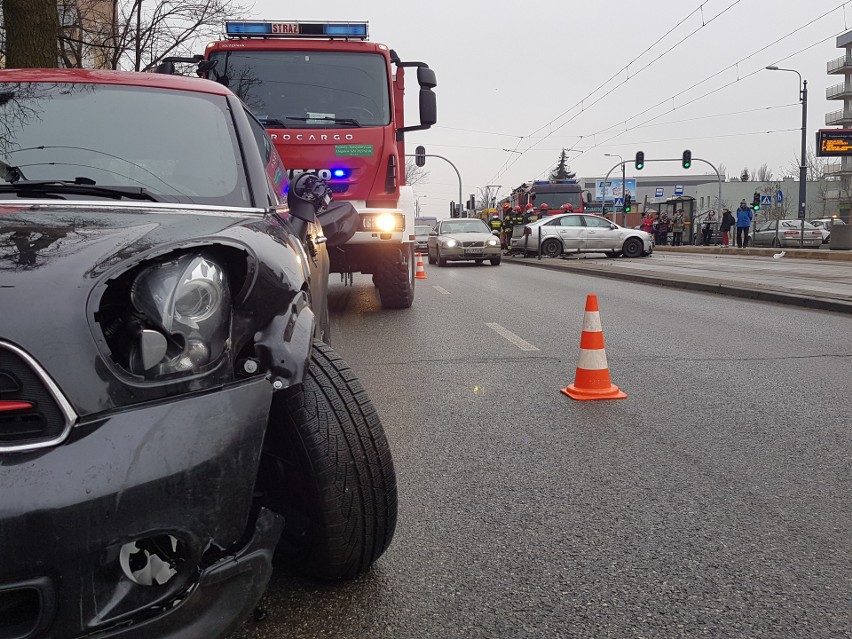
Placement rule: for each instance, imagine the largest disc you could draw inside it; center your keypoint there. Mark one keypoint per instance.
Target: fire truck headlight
(383, 222)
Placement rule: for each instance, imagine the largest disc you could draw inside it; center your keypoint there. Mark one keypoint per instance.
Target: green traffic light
(627, 209)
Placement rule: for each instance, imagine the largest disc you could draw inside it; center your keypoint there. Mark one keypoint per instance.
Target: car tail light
(790, 233)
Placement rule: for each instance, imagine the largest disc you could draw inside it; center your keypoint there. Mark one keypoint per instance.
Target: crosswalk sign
(619, 201)
(765, 200)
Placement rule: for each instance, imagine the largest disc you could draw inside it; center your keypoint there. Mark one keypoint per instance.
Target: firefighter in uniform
(543, 210)
(530, 215)
(495, 223)
(506, 226)
(512, 219)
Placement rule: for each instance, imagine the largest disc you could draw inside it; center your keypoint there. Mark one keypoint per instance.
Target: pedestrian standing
(677, 228)
(662, 229)
(707, 228)
(744, 217)
(727, 222)
(648, 223)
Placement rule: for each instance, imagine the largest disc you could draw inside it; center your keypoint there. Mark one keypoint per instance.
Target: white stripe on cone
(592, 322)
(592, 360)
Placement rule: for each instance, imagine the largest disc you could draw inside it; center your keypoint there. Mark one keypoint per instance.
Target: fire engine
(554, 193)
(332, 103)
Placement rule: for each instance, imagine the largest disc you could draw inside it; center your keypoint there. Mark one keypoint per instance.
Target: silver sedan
(577, 232)
(786, 233)
(463, 239)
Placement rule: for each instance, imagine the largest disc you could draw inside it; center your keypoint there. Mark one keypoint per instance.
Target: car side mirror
(613, 227)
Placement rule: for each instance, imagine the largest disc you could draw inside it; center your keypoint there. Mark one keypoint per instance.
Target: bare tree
(815, 165)
(415, 174)
(137, 35)
(764, 173)
(723, 171)
(744, 175)
(28, 33)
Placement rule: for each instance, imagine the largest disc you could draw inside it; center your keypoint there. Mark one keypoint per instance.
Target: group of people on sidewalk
(660, 225)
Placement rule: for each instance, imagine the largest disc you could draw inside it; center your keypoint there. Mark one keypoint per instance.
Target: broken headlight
(185, 304)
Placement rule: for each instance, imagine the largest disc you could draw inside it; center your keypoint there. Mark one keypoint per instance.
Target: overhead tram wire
(511, 161)
(710, 77)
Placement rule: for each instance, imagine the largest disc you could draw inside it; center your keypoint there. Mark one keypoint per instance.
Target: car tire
(612, 253)
(441, 260)
(479, 261)
(395, 278)
(632, 247)
(432, 260)
(551, 248)
(495, 261)
(327, 467)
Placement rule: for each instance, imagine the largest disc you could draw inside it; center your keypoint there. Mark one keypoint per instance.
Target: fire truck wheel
(395, 278)
(327, 467)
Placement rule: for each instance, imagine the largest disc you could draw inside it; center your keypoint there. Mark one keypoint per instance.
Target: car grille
(32, 412)
(473, 244)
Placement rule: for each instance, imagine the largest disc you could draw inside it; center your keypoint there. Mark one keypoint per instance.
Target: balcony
(842, 117)
(839, 91)
(840, 65)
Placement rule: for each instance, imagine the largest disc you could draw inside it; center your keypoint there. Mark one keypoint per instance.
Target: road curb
(806, 254)
(693, 284)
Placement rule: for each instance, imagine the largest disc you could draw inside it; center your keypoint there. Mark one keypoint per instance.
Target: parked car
(421, 238)
(823, 225)
(785, 233)
(171, 424)
(463, 239)
(579, 232)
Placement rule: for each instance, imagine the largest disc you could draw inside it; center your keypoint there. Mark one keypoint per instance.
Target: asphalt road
(716, 500)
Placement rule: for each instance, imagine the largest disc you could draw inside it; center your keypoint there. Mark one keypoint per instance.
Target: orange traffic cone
(420, 272)
(592, 378)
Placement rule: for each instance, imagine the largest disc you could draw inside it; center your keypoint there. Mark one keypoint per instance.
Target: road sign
(779, 197)
(765, 200)
(619, 201)
(659, 192)
(678, 189)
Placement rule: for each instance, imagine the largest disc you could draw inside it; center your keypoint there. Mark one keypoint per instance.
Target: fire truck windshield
(556, 200)
(309, 89)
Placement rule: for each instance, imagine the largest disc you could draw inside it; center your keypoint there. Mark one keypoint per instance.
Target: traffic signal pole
(606, 179)
(441, 157)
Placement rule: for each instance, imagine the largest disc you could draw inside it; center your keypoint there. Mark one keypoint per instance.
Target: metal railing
(837, 117)
(837, 91)
(838, 63)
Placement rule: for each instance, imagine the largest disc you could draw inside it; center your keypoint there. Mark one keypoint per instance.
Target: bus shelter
(686, 203)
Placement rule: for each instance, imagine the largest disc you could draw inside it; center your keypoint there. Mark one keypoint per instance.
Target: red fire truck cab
(332, 102)
(553, 193)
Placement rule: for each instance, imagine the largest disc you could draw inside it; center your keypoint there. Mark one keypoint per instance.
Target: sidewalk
(818, 279)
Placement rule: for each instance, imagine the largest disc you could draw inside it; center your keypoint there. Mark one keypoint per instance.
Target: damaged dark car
(173, 423)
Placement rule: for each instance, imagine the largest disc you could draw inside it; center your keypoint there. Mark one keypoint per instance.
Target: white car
(823, 225)
(579, 232)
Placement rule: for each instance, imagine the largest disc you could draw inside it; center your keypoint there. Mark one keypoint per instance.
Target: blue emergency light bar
(297, 29)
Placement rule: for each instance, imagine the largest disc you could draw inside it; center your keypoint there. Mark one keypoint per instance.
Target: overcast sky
(512, 76)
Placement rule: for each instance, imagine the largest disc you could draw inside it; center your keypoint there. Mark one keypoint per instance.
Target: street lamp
(803, 166)
(623, 189)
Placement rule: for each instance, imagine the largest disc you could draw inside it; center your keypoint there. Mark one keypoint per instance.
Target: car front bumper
(458, 253)
(182, 471)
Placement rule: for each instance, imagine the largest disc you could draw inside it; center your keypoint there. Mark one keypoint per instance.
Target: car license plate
(473, 252)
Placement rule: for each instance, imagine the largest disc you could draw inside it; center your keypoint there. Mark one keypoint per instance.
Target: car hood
(469, 237)
(52, 258)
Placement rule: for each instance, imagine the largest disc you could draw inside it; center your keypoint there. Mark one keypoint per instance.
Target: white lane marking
(509, 335)
(441, 290)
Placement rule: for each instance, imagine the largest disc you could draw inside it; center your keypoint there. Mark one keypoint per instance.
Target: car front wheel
(441, 260)
(632, 247)
(327, 468)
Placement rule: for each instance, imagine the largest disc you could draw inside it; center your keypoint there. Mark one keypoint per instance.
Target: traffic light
(687, 159)
(640, 160)
(755, 201)
(453, 212)
(627, 202)
(420, 156)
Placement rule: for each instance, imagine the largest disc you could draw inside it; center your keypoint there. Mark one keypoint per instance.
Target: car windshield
(556, 200)
(309, 89)
(422, 230)
(178, 146)
(464, 226)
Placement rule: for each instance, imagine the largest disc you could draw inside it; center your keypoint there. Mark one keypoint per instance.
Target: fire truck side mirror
(428, 108)
(426, 78)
